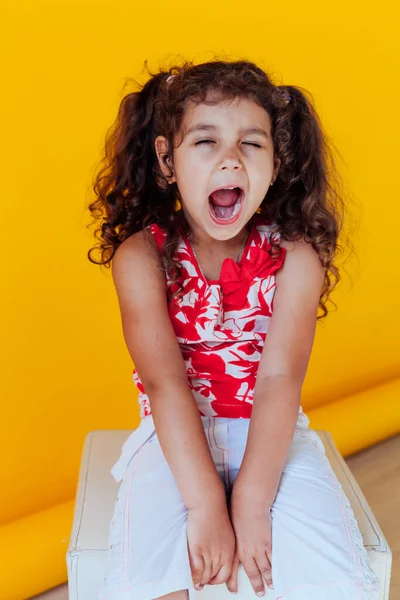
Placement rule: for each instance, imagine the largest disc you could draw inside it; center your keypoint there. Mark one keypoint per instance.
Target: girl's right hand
(211, 544)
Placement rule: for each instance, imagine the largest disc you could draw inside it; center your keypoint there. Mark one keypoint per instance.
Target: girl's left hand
(253, 531)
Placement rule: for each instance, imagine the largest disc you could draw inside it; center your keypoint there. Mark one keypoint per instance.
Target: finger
(222, 568)
(196, 567)
(232, 583)
(253, 573)
(207, 570)
(216, 565)
(264, 566)
(221, 576)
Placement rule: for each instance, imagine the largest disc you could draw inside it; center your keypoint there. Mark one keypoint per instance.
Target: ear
(277, 165)
(164, 157)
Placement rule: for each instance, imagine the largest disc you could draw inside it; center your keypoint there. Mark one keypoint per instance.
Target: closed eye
(212, 142)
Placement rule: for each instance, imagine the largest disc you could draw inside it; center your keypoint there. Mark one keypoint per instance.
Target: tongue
(225, 197)
(223, 202)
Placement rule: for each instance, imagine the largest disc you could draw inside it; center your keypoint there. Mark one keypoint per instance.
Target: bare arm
(281, 373)
(140, 284)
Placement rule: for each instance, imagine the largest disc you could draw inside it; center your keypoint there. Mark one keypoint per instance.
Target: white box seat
(87, 554)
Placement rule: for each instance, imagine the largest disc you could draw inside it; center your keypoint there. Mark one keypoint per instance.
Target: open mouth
(225, 204)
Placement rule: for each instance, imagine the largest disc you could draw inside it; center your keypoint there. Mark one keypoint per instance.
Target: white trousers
(317, 547)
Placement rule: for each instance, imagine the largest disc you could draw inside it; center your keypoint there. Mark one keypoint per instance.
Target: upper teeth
(234, 187)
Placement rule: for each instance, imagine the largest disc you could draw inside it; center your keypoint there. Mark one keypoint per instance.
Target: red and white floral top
(221, 326)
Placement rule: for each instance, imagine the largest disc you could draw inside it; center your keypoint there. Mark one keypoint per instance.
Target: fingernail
(271, 587)
(260, 593)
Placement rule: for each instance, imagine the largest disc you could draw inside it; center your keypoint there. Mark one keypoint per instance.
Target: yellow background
(65, 367)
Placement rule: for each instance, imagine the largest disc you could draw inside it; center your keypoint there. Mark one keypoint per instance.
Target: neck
(214, 246)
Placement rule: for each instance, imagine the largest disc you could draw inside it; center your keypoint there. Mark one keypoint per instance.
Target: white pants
(317, 548)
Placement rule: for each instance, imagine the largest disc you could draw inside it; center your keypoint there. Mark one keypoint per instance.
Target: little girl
(221, 220)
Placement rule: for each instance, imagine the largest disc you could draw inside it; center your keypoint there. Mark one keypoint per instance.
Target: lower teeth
(234, 212)
(236, 209)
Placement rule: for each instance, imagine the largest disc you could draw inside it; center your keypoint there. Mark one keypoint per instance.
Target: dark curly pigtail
(305, 201)
(131, 189)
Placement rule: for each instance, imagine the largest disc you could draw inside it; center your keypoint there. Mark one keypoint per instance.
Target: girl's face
(221, 148)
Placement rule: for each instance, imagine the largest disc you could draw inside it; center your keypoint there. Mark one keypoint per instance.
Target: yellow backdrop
(65, 367)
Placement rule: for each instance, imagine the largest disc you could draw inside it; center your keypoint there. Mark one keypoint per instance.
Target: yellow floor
(377, 471)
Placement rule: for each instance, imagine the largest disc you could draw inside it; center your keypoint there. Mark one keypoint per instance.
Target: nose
(230, 162)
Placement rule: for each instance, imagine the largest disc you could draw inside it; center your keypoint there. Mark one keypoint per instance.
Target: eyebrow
(246, 130)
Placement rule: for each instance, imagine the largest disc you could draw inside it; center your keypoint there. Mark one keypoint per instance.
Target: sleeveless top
(221, 325)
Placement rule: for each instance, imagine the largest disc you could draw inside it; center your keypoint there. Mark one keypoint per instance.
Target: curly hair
(132, 192)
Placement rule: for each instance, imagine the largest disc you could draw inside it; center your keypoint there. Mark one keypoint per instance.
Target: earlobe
(277, 163)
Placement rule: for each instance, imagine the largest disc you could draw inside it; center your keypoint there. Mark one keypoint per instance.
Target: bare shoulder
(302, 264)
(138, 250)
(137, 266)
(299, 248)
